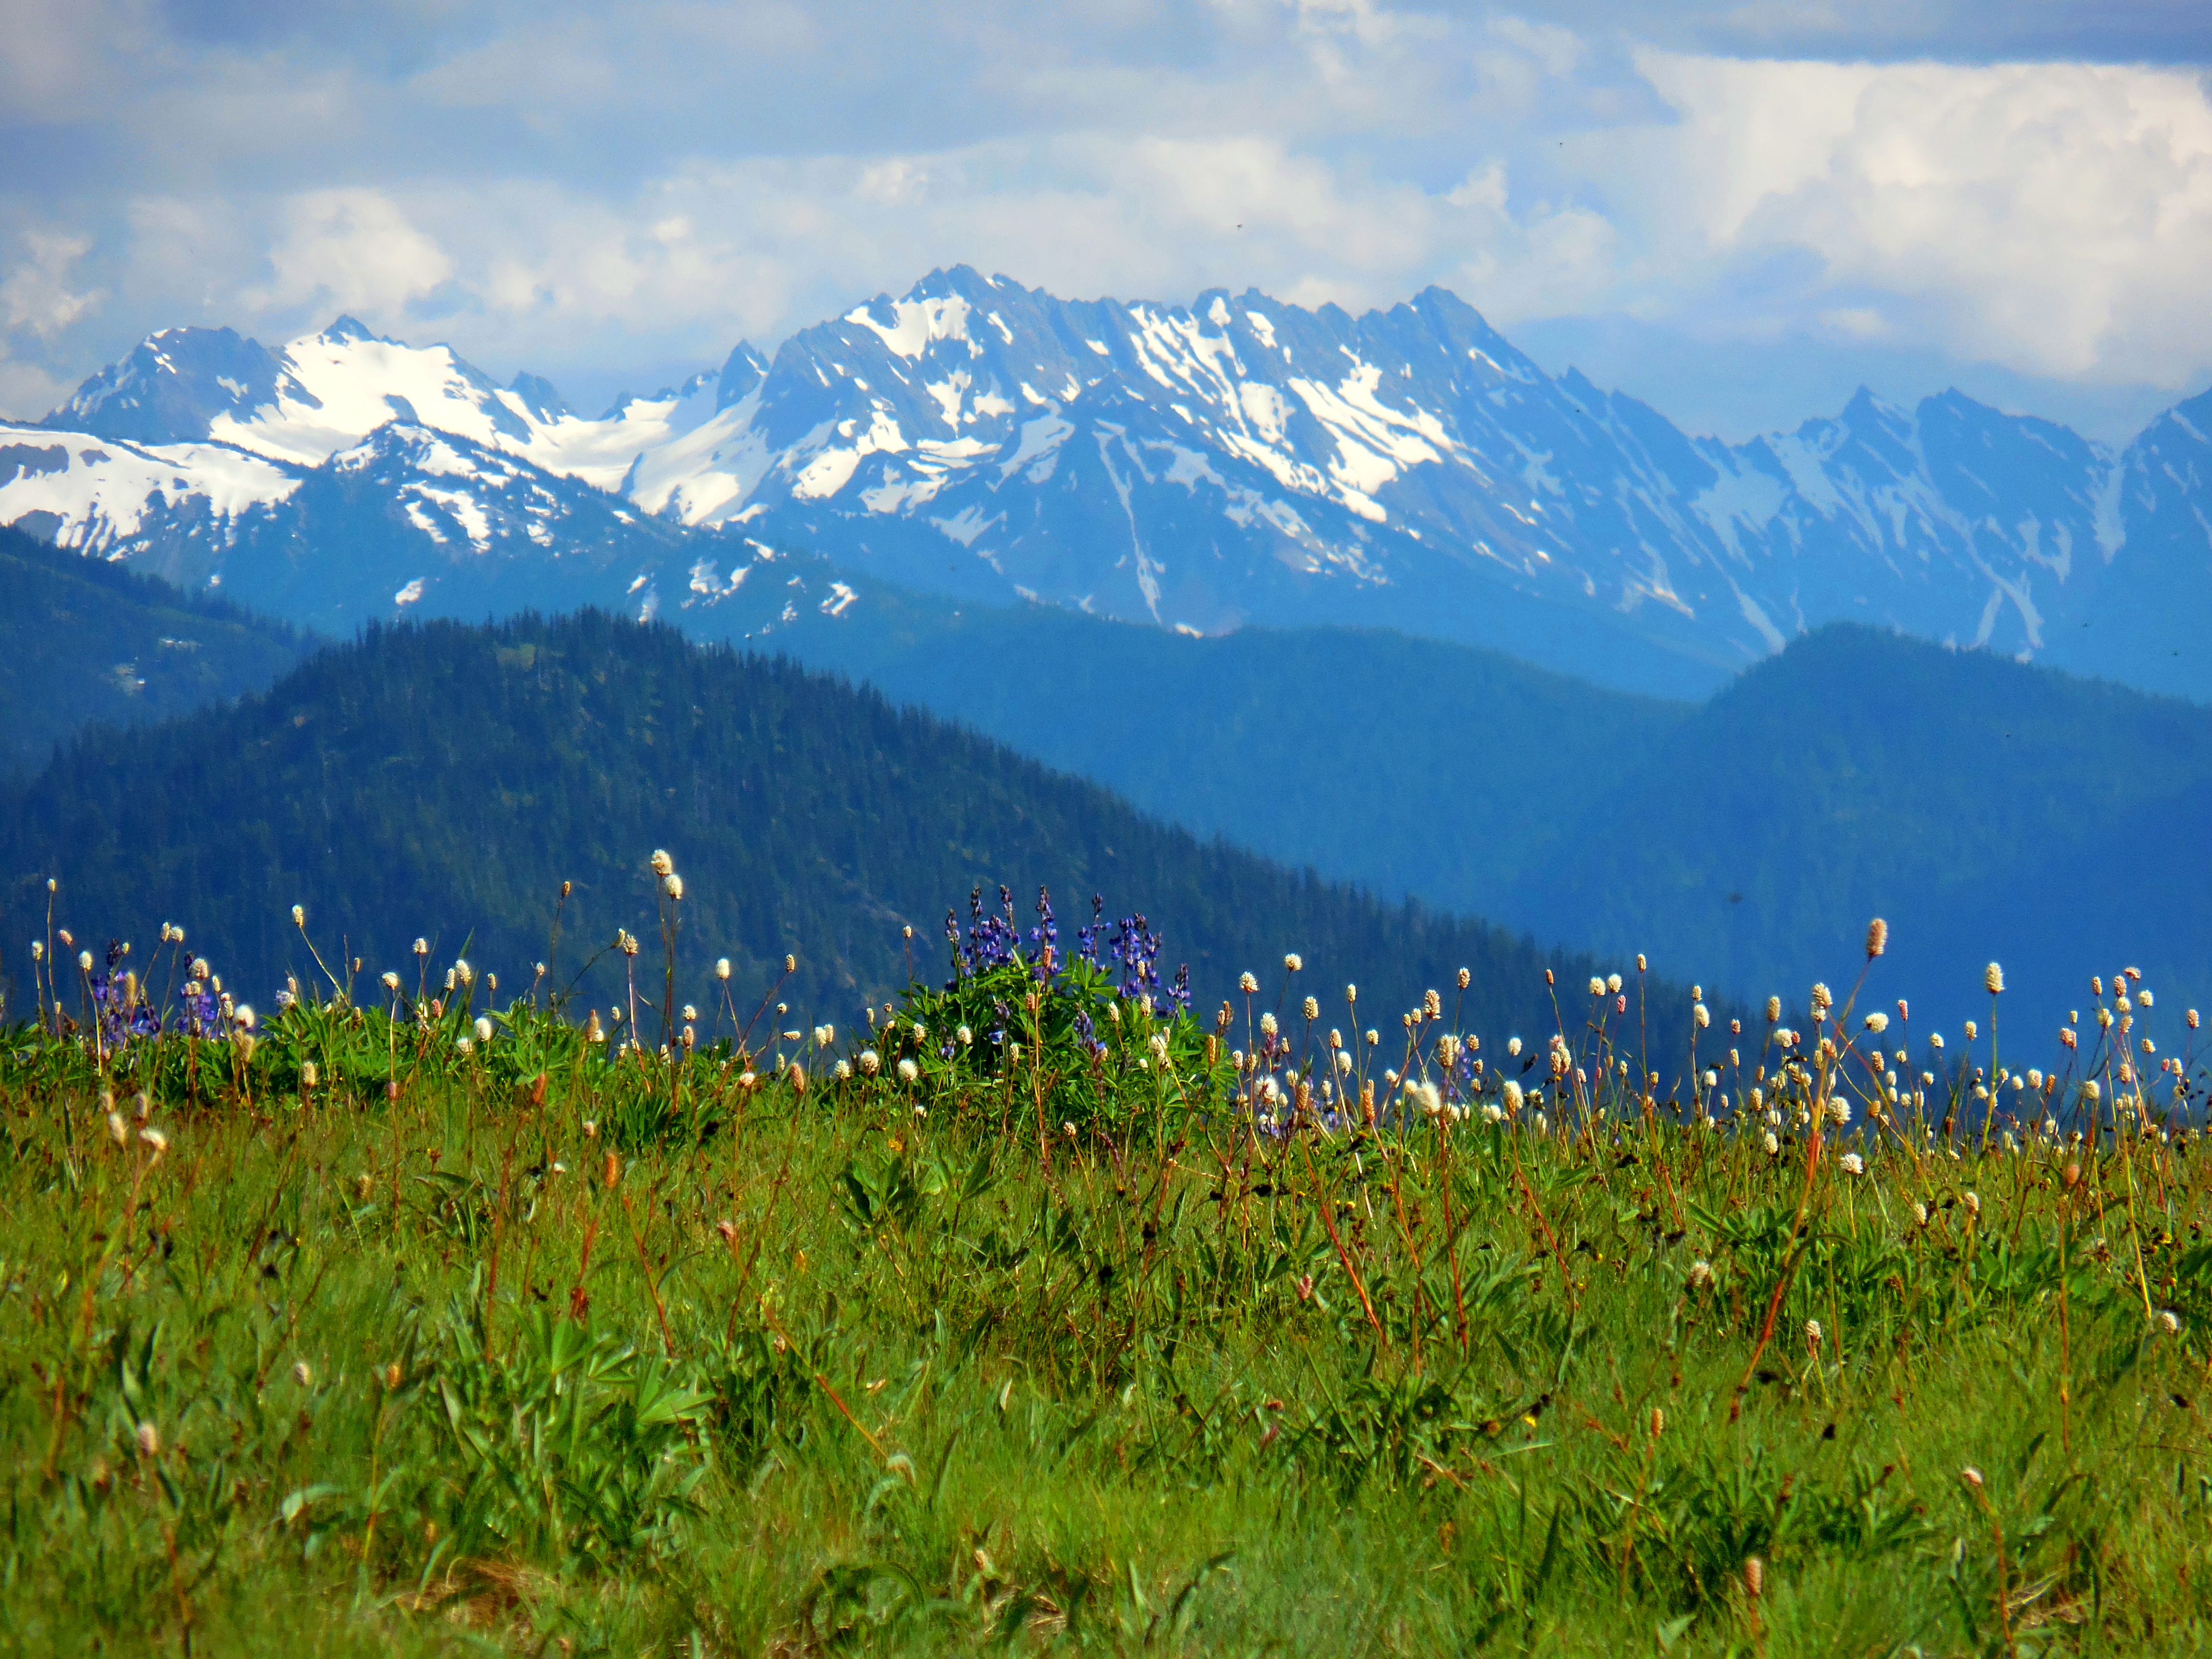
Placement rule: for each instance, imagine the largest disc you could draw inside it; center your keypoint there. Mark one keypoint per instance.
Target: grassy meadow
(1039, 1313)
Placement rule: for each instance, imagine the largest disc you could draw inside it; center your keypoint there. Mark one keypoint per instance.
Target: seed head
(1812, 1335)
(871, 1062)
(1852, 1163)
(662, 864)
(1822, 1000)
(1773, 1011)
(1311, 1009)
(1432, 1004)
(1877, 938)
(84, 961)
(1973, 1203)
(1701, 1274)
(309, 1076)
(672, 884)
(303, 1374)
(1973, 1030)
(1466, 979)
(117, 1129)
(1877, 1022)
(1993, 980)
(421, 947)
(1772, 1144)
(721, 968)
(1292, 962)
(149, 1440)
(791, 965)
(1754, 1577)
(2169, 1322)
(1596, 986)
(483, 1029)
(1971, 1476)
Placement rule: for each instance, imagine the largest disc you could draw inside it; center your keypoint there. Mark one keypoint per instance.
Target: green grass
(541, 1348)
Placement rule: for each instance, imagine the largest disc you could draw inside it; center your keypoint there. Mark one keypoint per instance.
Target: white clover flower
(1513, 1096)
(483, 1029)
(1839, 1112)
(1513, 1045)
(1311, 1009)
(117, 1129)
(842, 1071)
(907, 1071)
(84, 961)
(1993, 979)
(1920, 1213)
(1877, 1022)
(662, 864)
(2169, 1322)
(1813, 1334)
(464, 1044)
(1293, 962)
(1596, 986)
(1701, 1274)
(1158, 1045)
(1247, 983)
(1772, 1144)
(871, 1062)
(1268, 1027)
(824, 1036)
(672, 884)
(243, 1017)
(963, 1036)
(1344, 1062)
(1852, 1163)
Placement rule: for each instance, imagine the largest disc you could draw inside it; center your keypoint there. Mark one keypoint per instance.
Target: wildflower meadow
(1048, 1308)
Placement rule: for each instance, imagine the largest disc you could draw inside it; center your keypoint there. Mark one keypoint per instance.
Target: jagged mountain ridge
(1200, 467)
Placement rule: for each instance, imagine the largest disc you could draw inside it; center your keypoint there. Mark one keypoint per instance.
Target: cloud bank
(1777, 196)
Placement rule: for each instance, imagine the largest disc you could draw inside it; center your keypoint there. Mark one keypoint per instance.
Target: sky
(1739, 212)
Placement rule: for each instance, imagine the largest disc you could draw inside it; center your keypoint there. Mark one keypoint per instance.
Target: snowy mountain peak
(1200, 466)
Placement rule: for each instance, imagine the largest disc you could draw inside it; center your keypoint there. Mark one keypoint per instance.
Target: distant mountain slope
(1988, 809)
(443, 780)
(83, 642)
(1411, 766)
(1234, 461)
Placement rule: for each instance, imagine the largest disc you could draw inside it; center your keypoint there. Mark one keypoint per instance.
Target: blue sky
(1738, 212)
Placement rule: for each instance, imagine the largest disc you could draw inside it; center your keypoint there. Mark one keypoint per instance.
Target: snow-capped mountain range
(1236, 460)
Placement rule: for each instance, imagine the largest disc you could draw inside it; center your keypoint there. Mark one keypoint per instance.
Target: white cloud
(354, 248)
(2055, 218)
(36, 294)
(570, 189)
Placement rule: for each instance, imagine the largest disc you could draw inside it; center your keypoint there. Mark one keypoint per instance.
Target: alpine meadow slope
(1203, 467)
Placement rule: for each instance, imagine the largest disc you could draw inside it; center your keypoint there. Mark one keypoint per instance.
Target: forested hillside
(442, 781)
(83, 640)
